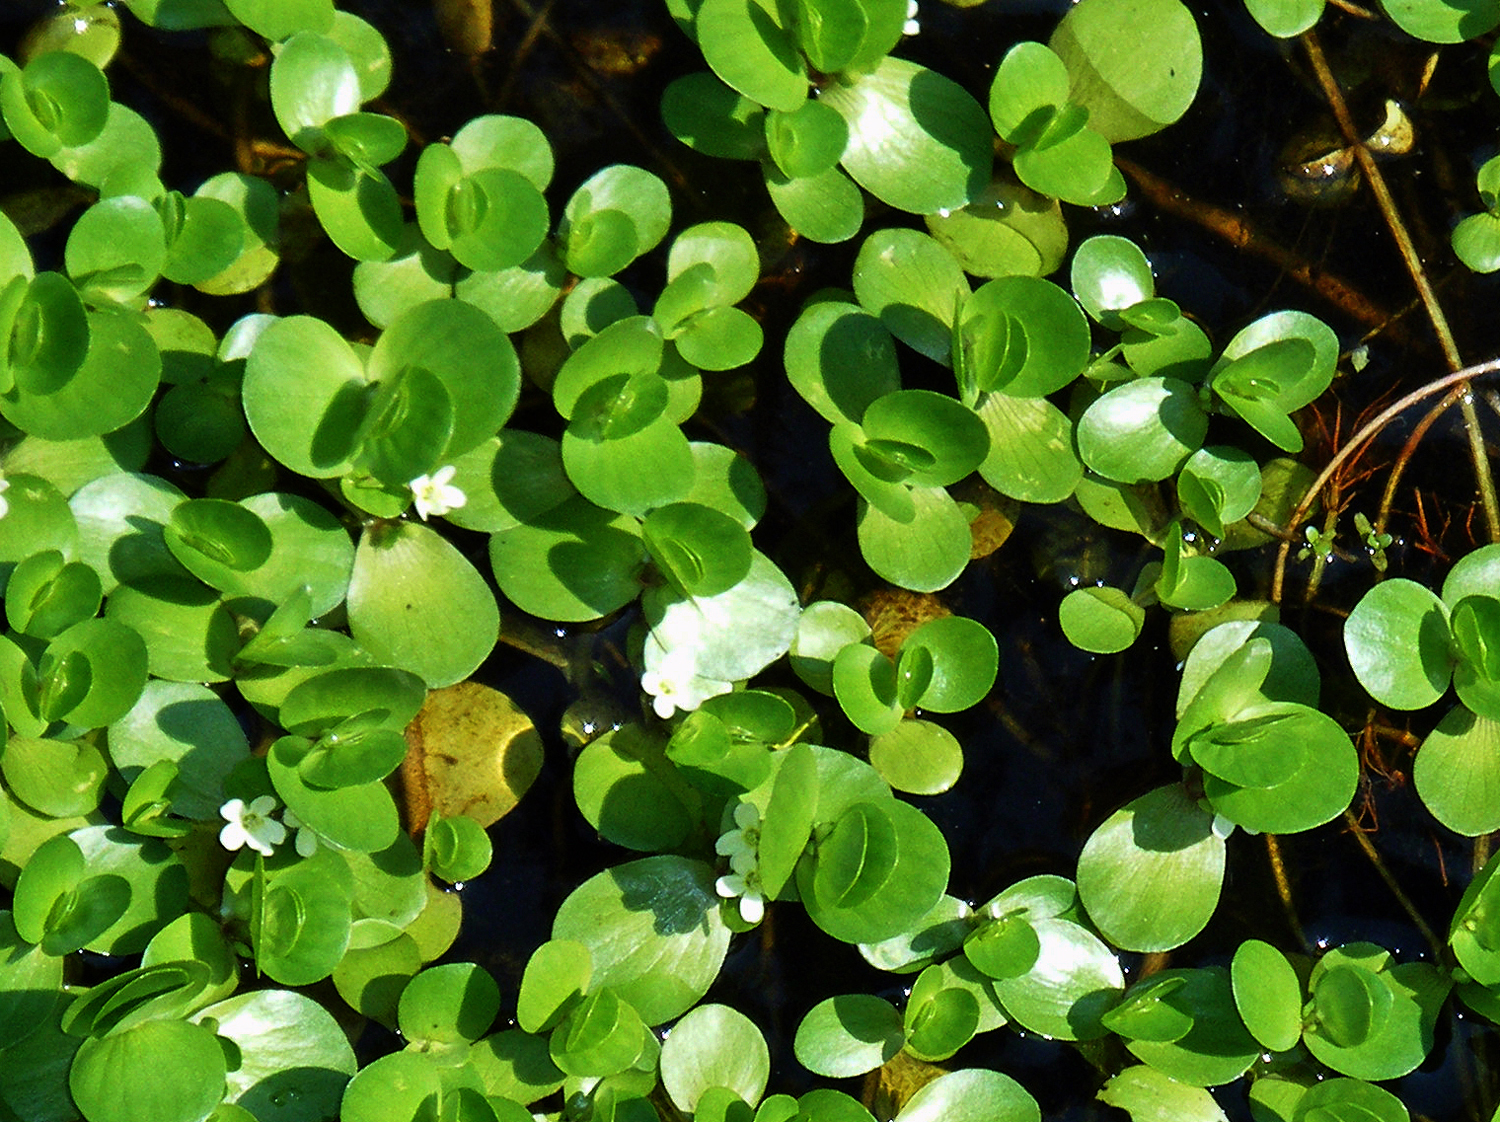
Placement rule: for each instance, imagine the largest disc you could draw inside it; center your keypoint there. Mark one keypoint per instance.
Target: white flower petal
(232, 836)
(752, 907)
(434, 495)
(744, 863)
(730, 886)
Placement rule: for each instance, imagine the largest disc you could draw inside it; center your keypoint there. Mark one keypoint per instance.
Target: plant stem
(1358, 441)
(1401, 897)
(1233, 228)
(1409, 255)
(1404, 457)
(1284, 889)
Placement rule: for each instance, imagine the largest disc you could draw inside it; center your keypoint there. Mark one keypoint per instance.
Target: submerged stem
(1402, 898)
(1284, 889)
(1413, 261)
(1358, 441)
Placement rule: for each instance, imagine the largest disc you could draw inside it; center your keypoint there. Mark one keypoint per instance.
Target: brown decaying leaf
(894, 613)
(471, 751)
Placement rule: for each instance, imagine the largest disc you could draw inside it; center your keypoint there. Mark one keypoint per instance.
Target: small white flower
(742, 847)
(911, 27)
(252, 825)
(674, 684)
(306, 840)
(747, 888)
(4, 502)
(434, 495)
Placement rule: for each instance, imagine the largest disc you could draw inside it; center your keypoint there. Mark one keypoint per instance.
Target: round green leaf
(917, 140)
(734, 634)
(1285, 19)
(556, 975)
(864, 681)
(59, 100)
(711, 118)
(599, 1037)
(1267, 994)
(613, 218)
(653, 930)
(168, 1070)
(59, 905)
(714, 1046)
(1110, 274)
(1445, 22)
(808, 141)
(362, 818)
(116, 250)
(1075, 979)
(449, 1004)
(1379, 1017)
(415, 601)
(1476, 242)
(294, 1060)
(1031, 455)
(1399, 644)
(924, 553)
(824, 629)
(110, 389)
(1457, 773)
(57, 777)
(1029, 79)
(47, 332)
(914, 286)
(748, 45)
(188, 724)
(921, 437)
(1142, 431)
(971, 1095)
(399, 1085)
(939, 1024)
(357, 206)
(210, 536)
(1148, 1095)
(965, 659)
(1102, 42)
(826, 207)
(1150, 875)
(1101, 620)
(848, 1035)
(1217, 1048)
(1008, 230)
(30, 983)
(700, 550)
(1049, 352)
(899, 898)
(918, 757)
(627, 791)
(575, 562)
(1318, 791)
(303, 393)
(313, 80)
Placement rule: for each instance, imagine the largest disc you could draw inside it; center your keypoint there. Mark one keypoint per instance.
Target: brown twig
(1368, 847)
(1240, 233)
(1357, 442)
(1413, 261)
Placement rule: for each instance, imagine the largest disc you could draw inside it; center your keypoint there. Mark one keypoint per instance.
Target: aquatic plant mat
(749, 560)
